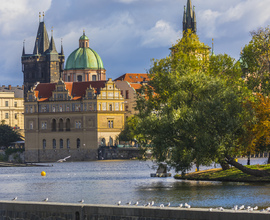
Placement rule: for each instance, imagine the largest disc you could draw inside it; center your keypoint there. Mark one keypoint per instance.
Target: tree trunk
(224, 165)
(248, 160)
(257, 173)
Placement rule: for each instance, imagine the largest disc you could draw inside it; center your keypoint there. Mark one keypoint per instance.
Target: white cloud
(162, 34)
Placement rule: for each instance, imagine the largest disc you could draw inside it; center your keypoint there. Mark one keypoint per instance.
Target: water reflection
(106, 182)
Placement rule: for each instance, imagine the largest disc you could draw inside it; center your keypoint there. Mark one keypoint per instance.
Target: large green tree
(8, 135)
(189, 113)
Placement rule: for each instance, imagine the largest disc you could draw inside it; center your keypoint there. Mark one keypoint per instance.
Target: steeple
(52, 44)
(42, 37)
(62, 50)
(23, 52)
(189, 18)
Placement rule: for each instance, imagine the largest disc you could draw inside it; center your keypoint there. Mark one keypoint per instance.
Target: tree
(255, 60)
(8, 135)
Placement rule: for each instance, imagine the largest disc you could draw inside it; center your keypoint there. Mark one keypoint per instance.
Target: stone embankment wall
(14, 210)
(107, 153)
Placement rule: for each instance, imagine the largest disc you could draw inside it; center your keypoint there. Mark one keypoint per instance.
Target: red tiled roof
(133, 77)
(76, 89)
(135, 85)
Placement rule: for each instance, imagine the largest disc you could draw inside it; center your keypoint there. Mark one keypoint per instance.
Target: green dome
(84, 37)
(84, 58)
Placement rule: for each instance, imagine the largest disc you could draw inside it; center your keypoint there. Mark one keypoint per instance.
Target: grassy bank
(233, 175)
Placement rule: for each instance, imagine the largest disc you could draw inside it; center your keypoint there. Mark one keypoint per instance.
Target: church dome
(84, 57)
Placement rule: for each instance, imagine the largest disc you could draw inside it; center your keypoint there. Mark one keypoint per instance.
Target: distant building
(12, 107)
(45, 64)
(130, 84)
(84, 64)
(72, 118)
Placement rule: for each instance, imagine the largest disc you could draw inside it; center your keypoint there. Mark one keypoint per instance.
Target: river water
(107, 182)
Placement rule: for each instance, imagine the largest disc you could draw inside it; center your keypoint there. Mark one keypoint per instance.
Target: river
(107, 182)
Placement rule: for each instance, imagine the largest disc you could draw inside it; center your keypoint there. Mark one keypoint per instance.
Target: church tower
(189, 18)
(45, 65)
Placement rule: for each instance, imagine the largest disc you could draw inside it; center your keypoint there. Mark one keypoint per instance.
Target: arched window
(68, 143)
(53, 125)
(61, 125)
(78, 142)
(111, 141)
(79, 78)
(54, 143)
(44, 144)
(103, 142)
(61, 143)
(68, 124)
(94, 78)
(110, 107)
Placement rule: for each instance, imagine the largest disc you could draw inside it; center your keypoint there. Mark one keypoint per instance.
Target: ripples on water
(106, 182)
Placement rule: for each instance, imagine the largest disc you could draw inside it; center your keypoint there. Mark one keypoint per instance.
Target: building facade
(71, 118)
(45, 64)
(130, 84)
(12, 107)
(84, 64)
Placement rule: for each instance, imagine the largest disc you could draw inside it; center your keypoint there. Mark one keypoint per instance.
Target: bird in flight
(63, 160)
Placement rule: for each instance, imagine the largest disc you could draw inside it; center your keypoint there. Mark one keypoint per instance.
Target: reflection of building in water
(84, 64)
(11, 107)
(71, 118)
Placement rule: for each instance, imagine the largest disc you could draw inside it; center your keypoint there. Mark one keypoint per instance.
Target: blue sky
(126, 34)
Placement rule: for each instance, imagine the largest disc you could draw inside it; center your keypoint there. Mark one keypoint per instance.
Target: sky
(127, 34)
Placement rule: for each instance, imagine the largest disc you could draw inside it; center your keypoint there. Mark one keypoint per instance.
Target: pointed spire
(62, 50)
(213, 53)
(23, 52)
(42, 38)
(52, 47)
(189, 18)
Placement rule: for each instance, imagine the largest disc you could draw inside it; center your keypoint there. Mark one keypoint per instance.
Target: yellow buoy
(43, 173)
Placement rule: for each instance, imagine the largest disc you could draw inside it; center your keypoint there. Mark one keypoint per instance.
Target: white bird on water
(15, 198)
(45, 200)
(63, 160)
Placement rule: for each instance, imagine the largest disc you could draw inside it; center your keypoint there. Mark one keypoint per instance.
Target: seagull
(210, 209)
(180, 205)
(82, 201)
(136, 203)
(168, 205)
(161, 205)
(45, 200)
(220, 209)
(119, 203)
(152, 203)
(128, 203)
(255, 208)
(15, 198)
(63, 160)
(241, 207)
(186, 205)
(235, 207)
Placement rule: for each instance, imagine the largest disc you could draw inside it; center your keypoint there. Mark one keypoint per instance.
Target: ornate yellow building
(71, 118)
(11, 107)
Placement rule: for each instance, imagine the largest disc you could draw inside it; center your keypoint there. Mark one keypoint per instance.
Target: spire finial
(43, 16)
(39, 17)
(83, 32)
(52, 31)
(213, 46)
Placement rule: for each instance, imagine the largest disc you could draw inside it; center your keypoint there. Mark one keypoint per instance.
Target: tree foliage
(8, 135)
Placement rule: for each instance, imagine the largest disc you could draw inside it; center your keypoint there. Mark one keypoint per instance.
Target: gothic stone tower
(45, 65)
(189, 18)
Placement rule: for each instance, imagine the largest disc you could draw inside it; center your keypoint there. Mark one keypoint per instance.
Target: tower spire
(189, 18)
(23, 52)
(52, 47)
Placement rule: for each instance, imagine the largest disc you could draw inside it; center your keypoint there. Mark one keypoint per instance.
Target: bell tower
(45, 64)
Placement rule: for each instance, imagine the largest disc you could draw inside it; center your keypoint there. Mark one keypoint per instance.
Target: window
(94, 78)
(79, 78)
(44, 125)
(54, 143)
(31, 109)
(53, 108)
(6, 103)
(16, 115)
(126, 108)
(61, 125)
(31, 125)
(110, 123)
(110, 107)
(44, 144)
(127, 94)
(60, 108)
(67, 108)
(68, 79)
(6, 115)
(78, 142)
(61, 143)
(68, 143)
(53, 125)
(78, 124)
(68, 124)
(15, 104)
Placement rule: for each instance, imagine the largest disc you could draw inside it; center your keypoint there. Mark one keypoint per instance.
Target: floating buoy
(43, 173)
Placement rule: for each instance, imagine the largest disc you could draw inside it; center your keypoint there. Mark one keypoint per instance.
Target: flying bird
(63, 160)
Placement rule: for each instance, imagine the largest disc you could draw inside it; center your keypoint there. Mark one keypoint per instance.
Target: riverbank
(230, 175)
(8, 164)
